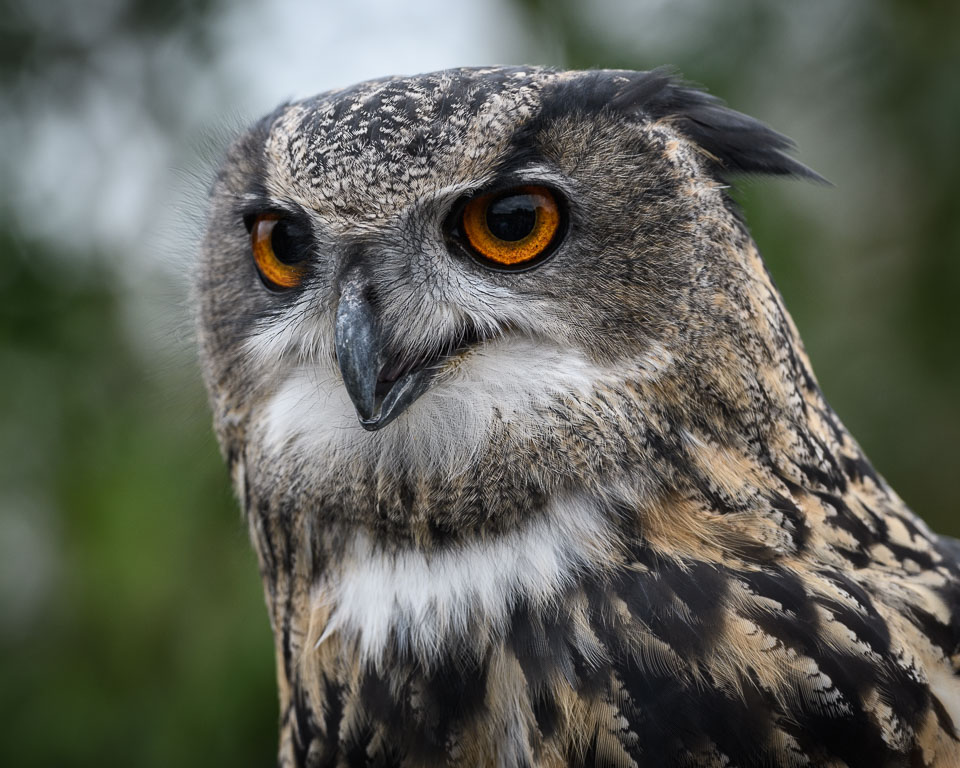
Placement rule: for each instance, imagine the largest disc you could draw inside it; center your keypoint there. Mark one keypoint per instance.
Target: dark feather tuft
(740, 143)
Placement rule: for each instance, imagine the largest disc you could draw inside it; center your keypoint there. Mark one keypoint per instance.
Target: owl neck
(694, 461)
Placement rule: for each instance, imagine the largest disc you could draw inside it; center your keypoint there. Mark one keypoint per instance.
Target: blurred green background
(132, 629)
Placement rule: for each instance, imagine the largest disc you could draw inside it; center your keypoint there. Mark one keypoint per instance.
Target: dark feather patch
(741, 144)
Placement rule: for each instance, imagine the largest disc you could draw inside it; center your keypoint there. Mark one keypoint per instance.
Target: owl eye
(513, 229)
(278, 251)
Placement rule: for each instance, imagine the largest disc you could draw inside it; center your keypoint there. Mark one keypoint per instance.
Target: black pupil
(289, 241)
(512, 217)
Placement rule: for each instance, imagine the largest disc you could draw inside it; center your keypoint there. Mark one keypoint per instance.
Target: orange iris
(275, 272)
(514, 227)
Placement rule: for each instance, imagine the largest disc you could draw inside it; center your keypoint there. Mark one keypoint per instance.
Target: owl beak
(379, 397)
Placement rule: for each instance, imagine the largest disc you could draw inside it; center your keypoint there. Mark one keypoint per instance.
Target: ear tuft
(740, 143)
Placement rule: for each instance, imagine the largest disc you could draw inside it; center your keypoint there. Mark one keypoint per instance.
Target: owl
(533, 460)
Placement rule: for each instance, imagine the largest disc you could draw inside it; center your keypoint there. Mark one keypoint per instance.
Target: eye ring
(279, 272)
(513, 229)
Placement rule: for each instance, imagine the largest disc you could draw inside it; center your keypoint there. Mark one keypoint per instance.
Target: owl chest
(655, 663)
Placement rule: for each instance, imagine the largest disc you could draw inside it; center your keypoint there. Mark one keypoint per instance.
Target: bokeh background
(131, 624)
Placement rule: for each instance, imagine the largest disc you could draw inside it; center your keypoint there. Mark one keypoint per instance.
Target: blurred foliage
(151, 645)
(132, 629)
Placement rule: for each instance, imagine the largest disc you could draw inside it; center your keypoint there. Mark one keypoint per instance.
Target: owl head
(519, 276)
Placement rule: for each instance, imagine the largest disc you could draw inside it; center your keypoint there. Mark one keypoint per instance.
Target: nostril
(371, 296)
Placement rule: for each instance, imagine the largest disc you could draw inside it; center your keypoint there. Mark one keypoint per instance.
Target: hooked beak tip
(360, 357)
